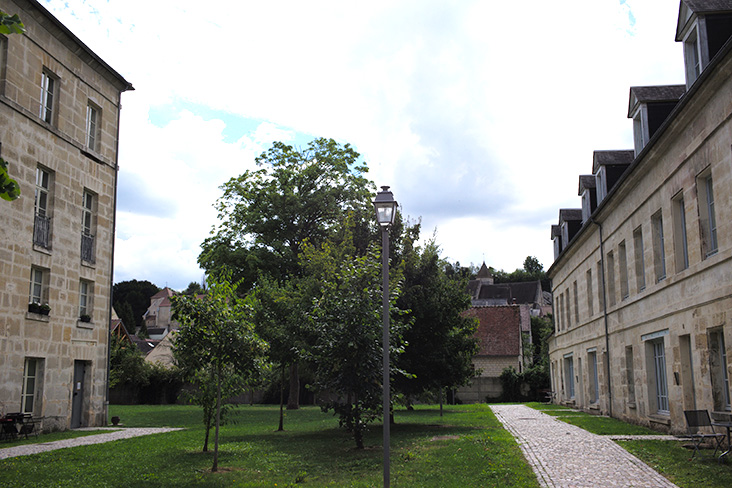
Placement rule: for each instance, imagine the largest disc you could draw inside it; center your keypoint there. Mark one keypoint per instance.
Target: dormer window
(601, 184)
(649, 107)
(692, 57)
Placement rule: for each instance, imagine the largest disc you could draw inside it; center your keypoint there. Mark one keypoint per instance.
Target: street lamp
(385, 206)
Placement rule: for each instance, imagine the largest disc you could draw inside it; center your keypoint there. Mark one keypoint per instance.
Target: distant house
(158, 319)
(484, 292)
(501, 346)
(163, 352)
(118, 329)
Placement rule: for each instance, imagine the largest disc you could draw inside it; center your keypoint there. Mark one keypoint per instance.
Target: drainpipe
(111, 265)
(604, 313)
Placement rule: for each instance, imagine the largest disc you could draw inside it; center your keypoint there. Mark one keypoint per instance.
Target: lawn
(467, 447)
(592, 423)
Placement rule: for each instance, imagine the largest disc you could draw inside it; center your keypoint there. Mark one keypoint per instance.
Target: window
(640, 262)
(658, 384)
(38, 293)
(623, 262)
(557, 313)
(42, 222)
(576, 303)
(600, 184)
(630, 374)
(48, 96)
(611, 279)
(718, 369)
(594, 377)
(92, 127)
(86, 294)
(569, 375)
(3, 62)
(707, 218)
(692, 57)
(32, 376)
(659, 254)
(590, 307)
(568, 310)
(600, 287)
(681, 248)
(88, 224)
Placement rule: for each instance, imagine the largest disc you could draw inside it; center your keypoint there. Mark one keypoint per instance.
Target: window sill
(594, 406)
(42, 249)
(84, 325)
(37, 317)
(659, 418)
(631, 405)
(88, 264)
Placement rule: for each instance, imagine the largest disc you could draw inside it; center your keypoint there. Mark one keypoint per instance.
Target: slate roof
(585, 182)
(567, 214)
(522, 292)
(608, 158)
(556, 231)
(499, 332)
(651, 94)
(700, 6)
(144, 345)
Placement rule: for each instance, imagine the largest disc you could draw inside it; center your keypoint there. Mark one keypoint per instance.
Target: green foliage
(137, 294)
(440, 342)
(216, 342)
(9, 188)
(533, 270)
(346, 316)
(127, 316)
(296, 196)
(10, 24)
(127, 365)
(194, 288)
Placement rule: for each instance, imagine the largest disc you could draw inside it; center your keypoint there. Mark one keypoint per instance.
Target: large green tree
(440, 342)
(216, 341)
(266, 215)
(346, 316)
(137, 295)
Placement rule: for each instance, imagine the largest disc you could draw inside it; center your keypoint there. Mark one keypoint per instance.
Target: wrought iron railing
(42, 231)
(87, 247)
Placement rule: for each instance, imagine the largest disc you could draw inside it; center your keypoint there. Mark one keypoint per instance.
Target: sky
(480, 114)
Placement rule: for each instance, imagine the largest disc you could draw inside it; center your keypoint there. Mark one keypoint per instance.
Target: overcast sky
(479, 114)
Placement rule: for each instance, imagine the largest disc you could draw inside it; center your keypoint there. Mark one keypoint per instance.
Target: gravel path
(27, 449)
(563, 455)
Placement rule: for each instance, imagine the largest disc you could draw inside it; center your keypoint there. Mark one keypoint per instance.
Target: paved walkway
(27, 449)
(563, 455)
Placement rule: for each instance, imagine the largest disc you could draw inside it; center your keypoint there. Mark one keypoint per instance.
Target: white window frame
(31, 384)
(87, 216)
(659, 251)
(86, 297)
(42, 195)
(49, 96)
(37, 291)
(692, 56)
(93, 119)
(681, 243)
(569, 374)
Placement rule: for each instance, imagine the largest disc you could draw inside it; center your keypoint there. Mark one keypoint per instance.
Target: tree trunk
(205, 440)
(282, 400)
(218, 419)
(293, 402)
(441, 401)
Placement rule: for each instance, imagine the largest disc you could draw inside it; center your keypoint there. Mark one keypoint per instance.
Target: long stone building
(59, 121)
(642, 277)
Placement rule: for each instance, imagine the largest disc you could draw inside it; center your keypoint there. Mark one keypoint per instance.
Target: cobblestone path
(563, 455)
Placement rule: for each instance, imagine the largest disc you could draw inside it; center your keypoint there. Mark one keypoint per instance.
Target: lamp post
(385, 206)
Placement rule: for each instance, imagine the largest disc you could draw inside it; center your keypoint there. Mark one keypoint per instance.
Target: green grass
(592, 423)
(673, 461)
(471, 449)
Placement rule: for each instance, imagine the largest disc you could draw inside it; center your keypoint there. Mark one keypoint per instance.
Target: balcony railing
(42, 231)
(87, 247)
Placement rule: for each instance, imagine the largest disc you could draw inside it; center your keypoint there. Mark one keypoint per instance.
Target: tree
(124, 312)
(268, 214)
(217, 335)
(346, 315)
(137, 294)
(532, 265)
(9, 188)
(440, 342)
(194, 288)
(10, 24)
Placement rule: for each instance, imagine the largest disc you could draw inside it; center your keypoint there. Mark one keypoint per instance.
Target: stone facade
(643, 290)
(59, 113)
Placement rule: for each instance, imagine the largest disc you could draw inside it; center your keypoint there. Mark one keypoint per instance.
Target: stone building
(643, 287)
(59, 118)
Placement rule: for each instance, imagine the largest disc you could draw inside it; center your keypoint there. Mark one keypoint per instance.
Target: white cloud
(480, 115)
